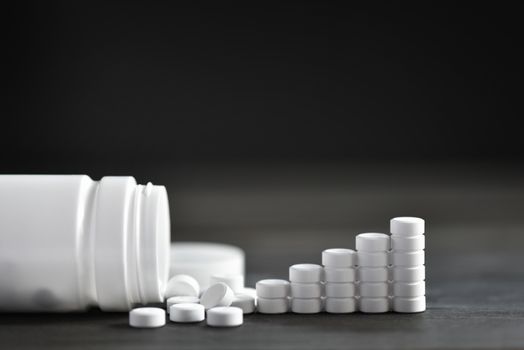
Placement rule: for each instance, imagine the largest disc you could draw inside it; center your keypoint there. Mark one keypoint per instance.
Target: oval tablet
(272, 306)
(181, 300)
(234, 281)
(339, 257)
(339, 274)
(147, 317)
(407, 226)
(408, 243)
(340, 290)
(374, 289)
(182, 285)
(407, 258)
(225, 316)
(186, 313)
(305, 273)
(375, 259)
(272, 288)
(340, 305)
(372, 242)
(306, 306)
(306, 290)
(374, 305)
(409, 289)
(409, 305)
(373, 274)
(245, 302)
(218, 294)
(409, 274)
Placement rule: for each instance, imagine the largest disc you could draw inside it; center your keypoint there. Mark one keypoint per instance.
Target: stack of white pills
(407, 243)
(339, 276)
(272, 296)
(373, 263)
(306, 289)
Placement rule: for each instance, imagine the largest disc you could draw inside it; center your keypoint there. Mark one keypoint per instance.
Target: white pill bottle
(68, 243)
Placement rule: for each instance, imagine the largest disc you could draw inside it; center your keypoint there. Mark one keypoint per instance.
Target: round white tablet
(234, 281)
(409, 274)
(407, 226)
(306, 290)
(272, 306)
(340, 305)
(339, 274)
(272, 288)
(186, 313)
(306, 306)
(409, 305)
(305, 273)
(224, 316)
(340, 290)
(407, 258)
(374, 289)
(182, 285)
(374, 305)
(373, 274)
(372, 242)
(373, 259)
(218, 294)
(181, 300)
(408, 243)
(409, 289)
(339, 257)
(245, 302)
(147, 317)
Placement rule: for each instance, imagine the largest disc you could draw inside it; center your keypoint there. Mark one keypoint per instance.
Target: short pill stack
(272, 296)
(409, 273)
(306, 289)
(373, 263)
(339, 276)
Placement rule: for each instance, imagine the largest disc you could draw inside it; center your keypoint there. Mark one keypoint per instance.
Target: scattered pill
(373, 274)
(374, 305)
(272, 306)
(409, 305)
(305, 273)
(245, 302)
(147, 317)
(306, 290)
(218, 294)
(225, 316)
(339, 274)
(408, 258)
(340, 290)
(235, 282)
(409, 289)
(373, 259)
(187, 313)
(272, 288)
(181, 300)
(372, 242)
(182, 285)
(374, 289)
(306, 306)
(340, 305)
(408, 243)
(339, 257)
(407, 226)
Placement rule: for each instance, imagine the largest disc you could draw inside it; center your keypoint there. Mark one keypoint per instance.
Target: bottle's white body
(68, 243)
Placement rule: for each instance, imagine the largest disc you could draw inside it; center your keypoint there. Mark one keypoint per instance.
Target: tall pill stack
(407, 243)
(372, 250)
(339, 276)
(306, 289)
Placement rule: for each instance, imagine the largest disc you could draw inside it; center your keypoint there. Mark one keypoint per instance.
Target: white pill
(339, 274)
(235, 282)
(340, 305)
(374, 305)
(249, 291)
(245, 302)
(224, 316)
(408, 243)
(218, 294)
(375, 259)
(339, 257)
(409, 289)
(306, 306)
(181, 300)
(272, 288)
(305, 273)
(373, 289)
(373, 274)
(186, 313)
(407, 226)
(409, 305)
(306, 290)
(272, 306)
(409, 274)
(147, 317)
(372, 242)
(182, 285)
(407, 258)
(340, 290)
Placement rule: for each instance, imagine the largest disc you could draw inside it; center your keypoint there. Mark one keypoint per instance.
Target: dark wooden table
(283, 214)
